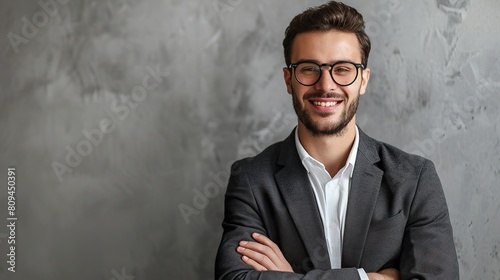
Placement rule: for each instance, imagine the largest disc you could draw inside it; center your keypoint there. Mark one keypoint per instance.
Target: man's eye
(309, 69)
(342, 69)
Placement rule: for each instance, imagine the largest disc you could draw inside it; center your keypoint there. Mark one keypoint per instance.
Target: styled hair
(330, 16)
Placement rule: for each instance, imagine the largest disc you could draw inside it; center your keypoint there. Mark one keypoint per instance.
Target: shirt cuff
(362, 274)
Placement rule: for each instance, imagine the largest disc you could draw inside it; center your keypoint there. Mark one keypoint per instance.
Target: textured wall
(118, 114)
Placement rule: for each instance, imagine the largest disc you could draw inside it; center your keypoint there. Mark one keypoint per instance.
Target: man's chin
(322, 130)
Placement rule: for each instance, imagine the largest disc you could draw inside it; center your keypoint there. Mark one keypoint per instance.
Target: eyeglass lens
(308, 73)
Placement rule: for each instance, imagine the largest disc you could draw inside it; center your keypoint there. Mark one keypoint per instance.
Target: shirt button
(332, 226)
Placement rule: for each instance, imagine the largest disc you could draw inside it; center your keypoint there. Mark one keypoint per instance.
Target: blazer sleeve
(428, 250)
(242, 218)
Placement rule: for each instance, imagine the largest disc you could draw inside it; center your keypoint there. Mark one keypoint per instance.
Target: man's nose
(325, 83)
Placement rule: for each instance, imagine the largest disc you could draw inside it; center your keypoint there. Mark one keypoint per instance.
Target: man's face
(326, 108)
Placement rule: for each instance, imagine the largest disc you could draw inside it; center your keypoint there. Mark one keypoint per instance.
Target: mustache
(323, 95)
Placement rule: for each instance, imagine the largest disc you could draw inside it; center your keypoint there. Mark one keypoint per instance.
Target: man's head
(331, 16)
(326, 51)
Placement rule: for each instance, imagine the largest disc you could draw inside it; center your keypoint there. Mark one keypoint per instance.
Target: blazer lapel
(296, 190)
(365, 184)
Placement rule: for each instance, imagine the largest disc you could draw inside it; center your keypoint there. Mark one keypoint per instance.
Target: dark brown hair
(330, 16)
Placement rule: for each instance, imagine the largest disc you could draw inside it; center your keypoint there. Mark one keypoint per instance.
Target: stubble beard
(317, 129)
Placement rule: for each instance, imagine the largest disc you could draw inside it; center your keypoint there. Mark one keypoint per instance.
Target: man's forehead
(318, 44)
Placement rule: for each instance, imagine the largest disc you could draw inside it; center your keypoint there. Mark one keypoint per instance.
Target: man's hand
(263, 254)
(385, 274)
(266, 255)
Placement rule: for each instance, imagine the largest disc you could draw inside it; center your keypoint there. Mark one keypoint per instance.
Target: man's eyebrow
(319, 62)
(306, 60)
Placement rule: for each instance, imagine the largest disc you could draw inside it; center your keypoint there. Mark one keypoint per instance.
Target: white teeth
(325, 104)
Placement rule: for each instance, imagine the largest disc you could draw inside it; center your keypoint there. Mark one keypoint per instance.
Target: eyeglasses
(343, 73)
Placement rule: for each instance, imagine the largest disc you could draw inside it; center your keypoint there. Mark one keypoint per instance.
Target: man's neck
(331, 151)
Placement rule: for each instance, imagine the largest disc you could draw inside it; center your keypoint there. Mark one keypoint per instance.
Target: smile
(325, 104)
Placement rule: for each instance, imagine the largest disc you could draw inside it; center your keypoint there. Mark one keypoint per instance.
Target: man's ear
(287, 75)
(365, 75)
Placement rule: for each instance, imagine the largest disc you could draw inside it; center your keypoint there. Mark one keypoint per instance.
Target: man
(329, 202)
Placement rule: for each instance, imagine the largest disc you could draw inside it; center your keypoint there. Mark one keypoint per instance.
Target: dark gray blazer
(396, 216)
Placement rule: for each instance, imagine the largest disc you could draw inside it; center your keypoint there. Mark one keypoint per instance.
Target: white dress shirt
(331, 196)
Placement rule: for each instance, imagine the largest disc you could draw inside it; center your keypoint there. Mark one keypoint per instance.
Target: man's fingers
(253, 263)
(265, 253)
(390, 273)
(263, 249)
(258, 247)
(257, 257)
(263, 239)
(385, 274)
(268, 242)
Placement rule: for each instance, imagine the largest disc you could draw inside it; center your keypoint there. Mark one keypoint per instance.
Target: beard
(333, 128)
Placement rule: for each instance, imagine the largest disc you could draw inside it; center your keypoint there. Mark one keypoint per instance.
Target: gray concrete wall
(171, 92)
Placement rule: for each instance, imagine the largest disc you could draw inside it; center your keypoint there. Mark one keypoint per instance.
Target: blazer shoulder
(395, 159)
(264, 162)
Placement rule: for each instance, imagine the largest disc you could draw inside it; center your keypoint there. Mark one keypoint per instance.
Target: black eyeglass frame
(357, 65)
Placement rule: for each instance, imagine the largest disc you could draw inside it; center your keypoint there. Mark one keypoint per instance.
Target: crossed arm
(427, 249)
(257, 257)
(264, 255)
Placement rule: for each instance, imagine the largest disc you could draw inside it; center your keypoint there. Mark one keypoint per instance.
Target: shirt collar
(351, 159)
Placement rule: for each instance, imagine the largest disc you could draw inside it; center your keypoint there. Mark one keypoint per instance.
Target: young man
(329, 202)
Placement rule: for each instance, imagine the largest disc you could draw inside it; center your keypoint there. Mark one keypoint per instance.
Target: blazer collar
(363, 193)
(296, 190)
